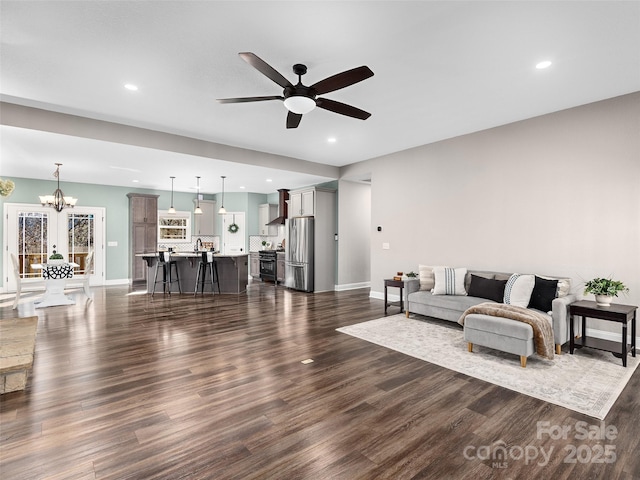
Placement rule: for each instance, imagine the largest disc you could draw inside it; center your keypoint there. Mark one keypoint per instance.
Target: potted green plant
(604, 289)
(55, 258)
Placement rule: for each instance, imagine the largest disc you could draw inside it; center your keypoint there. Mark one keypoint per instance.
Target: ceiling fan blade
(293, 120)
(342, 108)
(249, 99)
(264, 68)
(341, 80)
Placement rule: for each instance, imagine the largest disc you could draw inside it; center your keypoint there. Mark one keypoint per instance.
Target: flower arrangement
(605, 286)
(6, 187)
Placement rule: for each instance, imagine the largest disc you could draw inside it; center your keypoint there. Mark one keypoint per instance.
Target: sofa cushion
(449, 281)
(458, 303)
(487, 288)
(544, 291)
(518, 290)
(427, 280)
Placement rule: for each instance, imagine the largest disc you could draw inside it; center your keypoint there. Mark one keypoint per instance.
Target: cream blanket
(542, 329)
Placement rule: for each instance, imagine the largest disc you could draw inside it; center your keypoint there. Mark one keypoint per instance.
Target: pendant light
(198, 210)
(171, 209)
(58, 200)
(222, 210)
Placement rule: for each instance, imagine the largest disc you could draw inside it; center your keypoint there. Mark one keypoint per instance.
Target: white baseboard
(612, 336)
(117, 281)
(352, 286)
(380, 296)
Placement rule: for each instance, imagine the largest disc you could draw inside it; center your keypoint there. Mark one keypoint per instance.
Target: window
(174, 227)
(81, 239)
(33, 229)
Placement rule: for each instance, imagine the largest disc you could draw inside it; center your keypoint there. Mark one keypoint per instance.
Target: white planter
(56, 261)
(604, 300)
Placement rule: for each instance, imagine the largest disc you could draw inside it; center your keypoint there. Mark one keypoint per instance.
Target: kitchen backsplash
(190, 247)
(255, 242)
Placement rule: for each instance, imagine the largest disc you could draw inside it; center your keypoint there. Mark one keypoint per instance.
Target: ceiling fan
(300, 99)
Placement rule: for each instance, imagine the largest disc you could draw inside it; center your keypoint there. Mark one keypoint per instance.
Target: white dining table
(55, 279)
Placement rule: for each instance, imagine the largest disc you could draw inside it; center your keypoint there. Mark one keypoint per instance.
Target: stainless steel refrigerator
(299, 258)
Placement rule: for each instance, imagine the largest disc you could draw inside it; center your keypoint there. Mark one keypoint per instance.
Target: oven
(268, 261)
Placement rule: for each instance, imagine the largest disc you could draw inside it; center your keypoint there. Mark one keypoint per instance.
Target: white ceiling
(442, 69)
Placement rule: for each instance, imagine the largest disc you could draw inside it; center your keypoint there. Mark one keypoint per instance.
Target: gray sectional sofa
(451, 307)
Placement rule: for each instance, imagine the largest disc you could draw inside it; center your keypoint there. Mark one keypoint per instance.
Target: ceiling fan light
(299, 104)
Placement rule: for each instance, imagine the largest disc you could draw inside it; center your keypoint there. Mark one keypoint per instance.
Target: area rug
(17, 345)
(588, 382)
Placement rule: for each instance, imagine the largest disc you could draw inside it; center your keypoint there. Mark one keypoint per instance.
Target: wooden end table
(389, 282)
(613, 313)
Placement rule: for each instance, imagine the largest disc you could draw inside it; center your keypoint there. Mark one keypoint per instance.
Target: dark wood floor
(129, 387)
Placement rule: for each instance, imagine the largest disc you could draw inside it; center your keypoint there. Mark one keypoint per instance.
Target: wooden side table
(388, 282)
(613, 313)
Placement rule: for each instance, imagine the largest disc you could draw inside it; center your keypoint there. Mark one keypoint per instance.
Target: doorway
(33, 232)
(234, 233)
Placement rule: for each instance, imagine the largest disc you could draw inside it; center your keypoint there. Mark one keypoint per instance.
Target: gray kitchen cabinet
(254, 264)
(280, 267)
(143, 236)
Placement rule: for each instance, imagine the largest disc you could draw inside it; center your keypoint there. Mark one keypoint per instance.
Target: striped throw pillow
(449, 281)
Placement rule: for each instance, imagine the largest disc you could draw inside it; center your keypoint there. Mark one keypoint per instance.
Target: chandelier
(57, 200)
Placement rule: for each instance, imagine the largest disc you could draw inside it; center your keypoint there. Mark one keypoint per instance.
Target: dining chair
(85, 285)
(16, 273)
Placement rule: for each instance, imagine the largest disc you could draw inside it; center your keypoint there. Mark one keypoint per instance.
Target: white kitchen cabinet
(205, 224)
(266, 213)
(302, 203)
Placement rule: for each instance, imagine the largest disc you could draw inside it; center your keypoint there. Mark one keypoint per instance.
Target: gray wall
(354, 227)
(557, 194)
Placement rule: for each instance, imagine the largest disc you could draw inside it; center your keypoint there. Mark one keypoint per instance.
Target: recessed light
(331, 140)
(136, 181)
(131, 86)
(269, 180)
(241, 187)
(543, 65)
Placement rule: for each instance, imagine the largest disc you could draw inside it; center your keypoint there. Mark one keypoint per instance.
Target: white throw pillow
(518, 289)
(427, 280)
(449, 281)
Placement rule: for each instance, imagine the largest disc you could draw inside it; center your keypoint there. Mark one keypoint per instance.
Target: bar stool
(208, 262)
(164, 261)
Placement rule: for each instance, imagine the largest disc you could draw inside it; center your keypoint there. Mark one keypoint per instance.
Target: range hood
(283, 196)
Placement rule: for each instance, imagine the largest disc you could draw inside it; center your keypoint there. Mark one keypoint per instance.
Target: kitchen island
(232, 270)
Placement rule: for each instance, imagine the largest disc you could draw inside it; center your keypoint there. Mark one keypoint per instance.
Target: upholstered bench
(501, 334)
